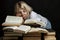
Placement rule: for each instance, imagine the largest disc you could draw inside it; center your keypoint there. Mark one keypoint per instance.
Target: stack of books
(10, 35)
(16, 26)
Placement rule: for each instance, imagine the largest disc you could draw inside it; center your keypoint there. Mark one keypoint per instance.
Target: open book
(40, 30)
(34, 22)
(25, 29)
(17, 21)
(13, 21)
(20, 29)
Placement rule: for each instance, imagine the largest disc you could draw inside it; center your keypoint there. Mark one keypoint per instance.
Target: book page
(32, 21)
(13, 21)
(40, 30)
(11, 27)
(41, 23)
(24, 28)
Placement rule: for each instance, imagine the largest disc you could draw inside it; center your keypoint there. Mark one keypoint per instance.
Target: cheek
(25, 15)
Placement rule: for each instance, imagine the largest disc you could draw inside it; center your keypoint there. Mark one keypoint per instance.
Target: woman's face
(22, 13)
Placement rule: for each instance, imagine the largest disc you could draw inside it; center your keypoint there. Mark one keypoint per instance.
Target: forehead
(22, 9)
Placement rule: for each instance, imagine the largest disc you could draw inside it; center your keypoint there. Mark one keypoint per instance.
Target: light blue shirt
(38, 17)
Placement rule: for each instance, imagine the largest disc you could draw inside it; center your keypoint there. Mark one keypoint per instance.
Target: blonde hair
(22, 4)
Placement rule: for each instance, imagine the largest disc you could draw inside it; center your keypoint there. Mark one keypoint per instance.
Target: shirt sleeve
(39, 18)
(34, 15)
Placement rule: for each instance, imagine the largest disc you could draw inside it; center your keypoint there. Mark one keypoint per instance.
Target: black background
(48, 8)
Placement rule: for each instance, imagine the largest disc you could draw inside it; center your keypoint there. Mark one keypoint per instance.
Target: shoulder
(33, 13)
